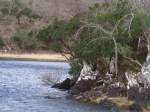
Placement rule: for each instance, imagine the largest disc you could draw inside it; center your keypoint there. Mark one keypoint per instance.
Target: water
(22, 89)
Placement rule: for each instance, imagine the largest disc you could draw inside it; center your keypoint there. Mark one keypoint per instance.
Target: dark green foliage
(25, 41)
(75, 68)
(54, 31)
(56, 46)
(137, 27)
(2, 44)
(58, 34)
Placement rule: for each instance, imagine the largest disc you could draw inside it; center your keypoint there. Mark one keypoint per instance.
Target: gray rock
(141, 79)
(87, 73)
(144, 77)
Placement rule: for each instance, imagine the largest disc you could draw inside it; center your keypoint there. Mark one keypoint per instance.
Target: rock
(87, 73)
(141, 79)
(146, 95)
(144, 77)
(82, 86)
(89, 96)
(139, 95)
(133, 93)
(131, 80)
(138, 85)
(78, 97)
(65, 85)
(117, 91)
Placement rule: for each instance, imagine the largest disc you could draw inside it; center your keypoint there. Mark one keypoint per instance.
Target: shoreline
(51, 57)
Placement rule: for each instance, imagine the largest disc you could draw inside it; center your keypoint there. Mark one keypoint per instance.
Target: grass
(33, 57)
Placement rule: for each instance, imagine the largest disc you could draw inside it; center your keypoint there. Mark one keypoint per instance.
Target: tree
(105, 32)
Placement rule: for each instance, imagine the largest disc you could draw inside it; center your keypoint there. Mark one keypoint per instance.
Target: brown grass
(121, 102)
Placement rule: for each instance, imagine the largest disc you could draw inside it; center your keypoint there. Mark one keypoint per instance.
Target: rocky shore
(134, 95)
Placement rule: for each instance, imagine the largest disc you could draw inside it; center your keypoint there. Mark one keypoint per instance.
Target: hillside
(63, 9)
(46, 9)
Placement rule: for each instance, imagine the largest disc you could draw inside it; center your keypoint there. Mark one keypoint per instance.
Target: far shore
(33, 57)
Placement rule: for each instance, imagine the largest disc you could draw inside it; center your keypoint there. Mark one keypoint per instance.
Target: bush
(58, 34)
(25, 41)
(2, 44)
(75, 68)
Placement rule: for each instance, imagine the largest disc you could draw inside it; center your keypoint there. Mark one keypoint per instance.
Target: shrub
(25, 41)
(58, 35)
(2, 44)
(75, 68)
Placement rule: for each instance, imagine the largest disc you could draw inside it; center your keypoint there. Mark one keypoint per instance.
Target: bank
(50, 57)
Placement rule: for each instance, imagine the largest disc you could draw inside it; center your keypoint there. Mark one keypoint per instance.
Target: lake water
(22, 89)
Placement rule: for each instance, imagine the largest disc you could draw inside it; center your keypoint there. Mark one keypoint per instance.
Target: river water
(22, 89)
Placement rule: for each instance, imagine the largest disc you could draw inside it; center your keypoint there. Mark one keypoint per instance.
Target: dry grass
(37, 57)
(121, 102)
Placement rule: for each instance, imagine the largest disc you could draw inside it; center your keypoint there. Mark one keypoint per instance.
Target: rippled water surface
(22, 89)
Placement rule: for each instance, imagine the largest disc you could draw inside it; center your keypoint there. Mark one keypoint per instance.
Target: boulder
(139, 94)
(82, 86)
(144, 77)
(86, 79)
(117, 91)
(87, 73)
(141, 79)
(65, 85)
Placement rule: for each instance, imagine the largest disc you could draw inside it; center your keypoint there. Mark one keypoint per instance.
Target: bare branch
(77, 34)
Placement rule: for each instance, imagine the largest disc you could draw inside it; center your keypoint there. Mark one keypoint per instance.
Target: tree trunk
(148, 45)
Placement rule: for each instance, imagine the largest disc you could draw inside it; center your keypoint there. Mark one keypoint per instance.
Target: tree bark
(148, 47)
